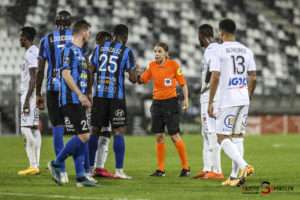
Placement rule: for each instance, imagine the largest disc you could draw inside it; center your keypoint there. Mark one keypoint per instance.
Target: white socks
(206, 154)
(102, 151)
(38, 142)
(232, 151)
(215, 152)
(239, 143)
(29, 146)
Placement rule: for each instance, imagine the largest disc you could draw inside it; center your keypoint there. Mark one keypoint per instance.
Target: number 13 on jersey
(111, 66)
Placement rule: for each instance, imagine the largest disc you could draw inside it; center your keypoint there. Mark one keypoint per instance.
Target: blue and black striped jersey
(72, 59)
(50, 49)
(112, 60)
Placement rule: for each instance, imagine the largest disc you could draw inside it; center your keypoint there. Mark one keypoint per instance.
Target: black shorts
(106, 110)
(75, 120)
(165, 112)
(54, 111)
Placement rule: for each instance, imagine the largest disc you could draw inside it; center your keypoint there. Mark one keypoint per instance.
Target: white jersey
(30, 60)
(206, 60)
(233, 60)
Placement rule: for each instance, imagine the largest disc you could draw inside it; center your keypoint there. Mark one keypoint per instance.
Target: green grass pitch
(274, 157)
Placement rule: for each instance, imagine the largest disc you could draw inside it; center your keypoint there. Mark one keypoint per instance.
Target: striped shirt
(111, 61)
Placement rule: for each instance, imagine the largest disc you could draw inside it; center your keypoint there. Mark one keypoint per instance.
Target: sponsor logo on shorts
(229, 121)
(119, 113)
(36, 113)
(68, 125)
(244, 123)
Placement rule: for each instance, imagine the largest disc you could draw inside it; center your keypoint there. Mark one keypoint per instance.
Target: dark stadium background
(271, 28)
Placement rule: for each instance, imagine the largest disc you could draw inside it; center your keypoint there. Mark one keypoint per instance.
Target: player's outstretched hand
(40, 102)
(211, 110)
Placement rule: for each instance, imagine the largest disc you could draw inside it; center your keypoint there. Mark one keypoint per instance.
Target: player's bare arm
(32, 73)
(252, 83)
(39, 82)
(186, 97)
(214, 82)
(133, 76)
(207, 79)
(91, 70)
(139, 74)
(66, 74)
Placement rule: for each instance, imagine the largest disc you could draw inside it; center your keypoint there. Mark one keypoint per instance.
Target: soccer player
(73, 83)
(110, 61)
(211, 148)
(99, 140)
(50, 49)
(29, 111)
(164, 108)
(229, 66)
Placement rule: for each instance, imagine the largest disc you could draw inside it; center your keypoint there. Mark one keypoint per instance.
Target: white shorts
(208, 123)
(31, 118)
(232, 120)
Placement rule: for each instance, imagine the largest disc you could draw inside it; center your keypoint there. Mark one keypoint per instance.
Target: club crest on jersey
(235, 83)
(168, 82)
(66, 60)
(229, 121)
(179, 72)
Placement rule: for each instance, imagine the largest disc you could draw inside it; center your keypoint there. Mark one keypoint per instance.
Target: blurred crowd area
(271, 28)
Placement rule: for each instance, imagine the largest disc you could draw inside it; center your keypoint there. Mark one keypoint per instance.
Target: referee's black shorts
(54, 111)
(165, 112)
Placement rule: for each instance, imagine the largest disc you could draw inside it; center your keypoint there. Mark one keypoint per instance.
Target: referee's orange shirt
(164, 78)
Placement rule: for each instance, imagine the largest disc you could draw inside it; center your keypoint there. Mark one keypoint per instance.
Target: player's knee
(84, 137)
(175, 138)
(160, 137)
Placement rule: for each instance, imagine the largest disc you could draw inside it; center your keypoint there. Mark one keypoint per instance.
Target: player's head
(206, 34)
(161, 52)
(63, 19)
(227, 28)
(103, 37)
(121, 33)
(27, 35)
(83, 29)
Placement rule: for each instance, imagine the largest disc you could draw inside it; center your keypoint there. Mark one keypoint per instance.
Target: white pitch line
(50, 196)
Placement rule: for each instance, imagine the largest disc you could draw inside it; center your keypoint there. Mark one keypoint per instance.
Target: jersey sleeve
(179, 75)
(215, 62)
(42, 49)
(252, 65)
(31, 59)
(85, 49)
(130, 64)
(66, 58)
(146, 76)
(94, 57)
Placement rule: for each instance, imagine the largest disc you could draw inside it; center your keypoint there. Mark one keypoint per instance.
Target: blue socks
(79, 158)
(93, 146)
(119, 149)
(72, 148)
(86, 157)
(58, 142)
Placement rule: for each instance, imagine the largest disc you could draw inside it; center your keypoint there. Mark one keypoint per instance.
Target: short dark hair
(103, 37)
(28, 32)
(163, 45)
(80, 25)
(206, 30)
(120, 30)
(227, 25)
(63, 18)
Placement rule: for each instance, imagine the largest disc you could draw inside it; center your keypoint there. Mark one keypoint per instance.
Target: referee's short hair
(80, 25)
(120, 30)
(28, 32)
(227, 25)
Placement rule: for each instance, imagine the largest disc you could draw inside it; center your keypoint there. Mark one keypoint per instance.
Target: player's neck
(28, 45)
(228, 39)
(78, 41)
(161, 63)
